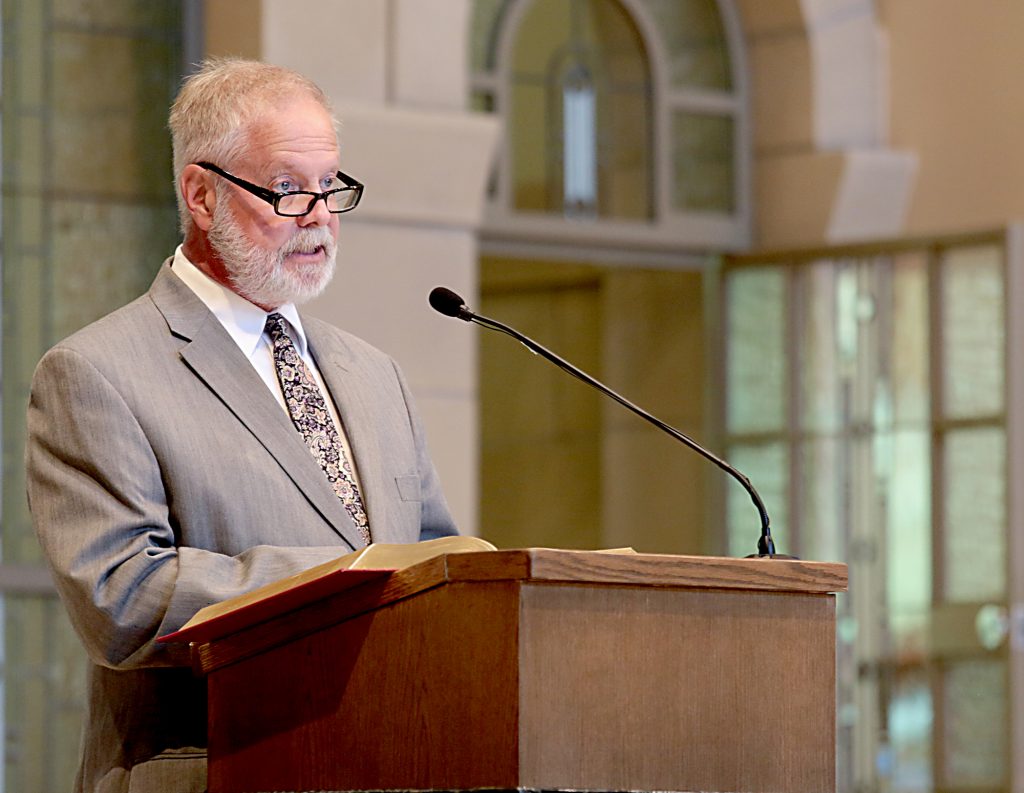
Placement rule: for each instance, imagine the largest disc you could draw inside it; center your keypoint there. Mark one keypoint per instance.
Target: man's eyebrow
(290, 168)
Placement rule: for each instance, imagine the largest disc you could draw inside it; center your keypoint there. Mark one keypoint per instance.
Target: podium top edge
(333, 602)
(713, 572)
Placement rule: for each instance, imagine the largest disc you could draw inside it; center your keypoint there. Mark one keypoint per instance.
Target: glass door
(866, 398)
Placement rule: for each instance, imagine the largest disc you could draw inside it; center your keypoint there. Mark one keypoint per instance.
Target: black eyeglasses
(299, 203)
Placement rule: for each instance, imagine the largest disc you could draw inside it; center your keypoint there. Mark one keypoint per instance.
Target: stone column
(396, 73)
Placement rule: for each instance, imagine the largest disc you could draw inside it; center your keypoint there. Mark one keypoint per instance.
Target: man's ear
(197, 190)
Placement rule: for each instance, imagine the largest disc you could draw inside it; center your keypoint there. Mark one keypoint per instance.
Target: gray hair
(211, 117)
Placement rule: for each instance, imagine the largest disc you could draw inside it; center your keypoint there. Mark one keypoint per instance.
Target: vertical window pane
(88, 202)
(557, 42)
(860, 287)
(911, 719)
(88, 216)
(531, 187)
(767, 467)
(820, 381)
(976, 714)
(703, 171)
(579, 144)
(820, 508)
(908, 539)
(756, 355)
(695, 41)
(111, 143)
(910, 340)
(975, 514)
(44, 694)
(625, 188)
(972, 332)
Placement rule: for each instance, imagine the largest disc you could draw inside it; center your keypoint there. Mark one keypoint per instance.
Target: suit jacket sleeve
(104, 509)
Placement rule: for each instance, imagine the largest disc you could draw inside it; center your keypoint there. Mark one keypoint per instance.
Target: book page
(382, 557)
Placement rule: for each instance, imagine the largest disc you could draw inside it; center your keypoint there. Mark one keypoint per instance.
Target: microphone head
(445, 301)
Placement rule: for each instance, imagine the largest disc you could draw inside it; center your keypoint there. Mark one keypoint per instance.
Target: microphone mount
(447, 302)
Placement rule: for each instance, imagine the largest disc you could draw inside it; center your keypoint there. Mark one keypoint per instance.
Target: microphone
(447, 302)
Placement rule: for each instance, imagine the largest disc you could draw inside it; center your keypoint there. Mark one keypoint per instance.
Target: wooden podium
(537, 669)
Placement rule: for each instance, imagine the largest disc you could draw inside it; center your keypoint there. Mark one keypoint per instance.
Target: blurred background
(786, 227)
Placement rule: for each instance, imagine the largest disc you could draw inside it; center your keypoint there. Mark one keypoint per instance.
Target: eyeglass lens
(301, 203)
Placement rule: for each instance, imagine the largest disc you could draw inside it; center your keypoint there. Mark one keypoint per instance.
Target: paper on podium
(377, 560)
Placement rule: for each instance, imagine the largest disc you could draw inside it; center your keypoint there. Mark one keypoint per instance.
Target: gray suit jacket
(164, 476)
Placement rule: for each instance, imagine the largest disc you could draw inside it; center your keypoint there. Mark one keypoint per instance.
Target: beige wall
(957, 101)
(564, 466)
(882, 118)
(825, 170)
(232, 27)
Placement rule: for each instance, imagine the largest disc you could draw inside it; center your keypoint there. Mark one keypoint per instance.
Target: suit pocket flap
(408, 487)
(182, 770)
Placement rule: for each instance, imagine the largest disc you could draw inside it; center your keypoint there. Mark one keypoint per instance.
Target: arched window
(625, 121)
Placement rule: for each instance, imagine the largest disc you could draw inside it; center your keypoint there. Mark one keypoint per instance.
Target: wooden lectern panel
(423, 693)
(661, 689)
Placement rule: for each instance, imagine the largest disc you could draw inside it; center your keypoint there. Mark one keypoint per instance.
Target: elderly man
(206, 438)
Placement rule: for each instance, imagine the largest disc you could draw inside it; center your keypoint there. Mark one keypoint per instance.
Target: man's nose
(319, 215)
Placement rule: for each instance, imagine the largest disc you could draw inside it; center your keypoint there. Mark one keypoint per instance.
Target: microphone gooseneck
(447, 302)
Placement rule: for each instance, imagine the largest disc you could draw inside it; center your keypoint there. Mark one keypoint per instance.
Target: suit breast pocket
(408, 487)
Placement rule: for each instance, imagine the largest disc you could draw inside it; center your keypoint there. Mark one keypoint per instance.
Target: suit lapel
(213, 357)
(355, 400)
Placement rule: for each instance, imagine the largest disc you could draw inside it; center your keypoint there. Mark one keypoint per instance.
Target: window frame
(672, 237)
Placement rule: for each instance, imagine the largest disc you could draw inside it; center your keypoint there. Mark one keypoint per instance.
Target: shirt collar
(243, 320)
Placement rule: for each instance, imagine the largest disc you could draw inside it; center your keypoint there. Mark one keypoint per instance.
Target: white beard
(261, 276)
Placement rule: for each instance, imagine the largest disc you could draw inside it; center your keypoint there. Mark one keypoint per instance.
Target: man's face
(272, 260)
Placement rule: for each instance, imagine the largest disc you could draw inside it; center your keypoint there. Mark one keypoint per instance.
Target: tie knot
(275, 326)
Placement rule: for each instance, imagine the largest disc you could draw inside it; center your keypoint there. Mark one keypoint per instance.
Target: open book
(377, 560)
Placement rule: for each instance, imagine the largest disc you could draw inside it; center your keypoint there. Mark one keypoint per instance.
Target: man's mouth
(318, 252)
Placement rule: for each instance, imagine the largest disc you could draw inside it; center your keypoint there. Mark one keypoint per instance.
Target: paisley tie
(309, 413)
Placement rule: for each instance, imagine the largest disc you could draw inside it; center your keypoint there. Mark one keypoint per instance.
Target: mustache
(307, 241)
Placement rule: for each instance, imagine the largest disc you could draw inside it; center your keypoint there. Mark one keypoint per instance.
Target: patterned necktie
(309, 413)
